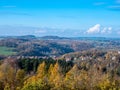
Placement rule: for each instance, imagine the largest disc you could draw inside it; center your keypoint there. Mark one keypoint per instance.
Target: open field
(6, 51)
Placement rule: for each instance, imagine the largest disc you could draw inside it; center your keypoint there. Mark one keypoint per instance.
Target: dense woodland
(79, 64)
(100, 72)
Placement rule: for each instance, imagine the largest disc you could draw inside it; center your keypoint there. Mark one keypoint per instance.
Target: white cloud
(97, 29)
(110, 28)
(106, 30)
(94, 29)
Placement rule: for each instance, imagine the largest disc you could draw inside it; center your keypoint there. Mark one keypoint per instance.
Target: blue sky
(69, 18)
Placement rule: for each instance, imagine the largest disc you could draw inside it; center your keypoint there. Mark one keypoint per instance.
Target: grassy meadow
(6, 51)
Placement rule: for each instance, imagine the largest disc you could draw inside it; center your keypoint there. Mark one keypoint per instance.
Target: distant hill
(30, 45)
(53, 37)
(27, 37)
(22, 37)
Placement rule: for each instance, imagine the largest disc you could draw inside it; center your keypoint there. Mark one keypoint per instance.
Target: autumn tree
(20, 76)
(71, 77)
(38, 81)
(56, 77)
(7, 76)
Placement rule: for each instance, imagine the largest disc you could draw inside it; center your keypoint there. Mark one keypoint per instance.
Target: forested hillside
(101, 71)
(54, 63)
(53, 46)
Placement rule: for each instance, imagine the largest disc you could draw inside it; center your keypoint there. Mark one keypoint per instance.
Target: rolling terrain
(59, 63)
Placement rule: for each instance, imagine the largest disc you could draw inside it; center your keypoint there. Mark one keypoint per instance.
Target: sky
(66, 18)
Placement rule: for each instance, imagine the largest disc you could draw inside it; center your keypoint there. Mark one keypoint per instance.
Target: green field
(6, 51)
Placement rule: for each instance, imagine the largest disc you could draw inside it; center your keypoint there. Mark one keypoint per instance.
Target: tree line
(49, 74)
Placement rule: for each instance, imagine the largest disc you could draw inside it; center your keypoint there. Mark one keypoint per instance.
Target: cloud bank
(94, 29)
(98, 29)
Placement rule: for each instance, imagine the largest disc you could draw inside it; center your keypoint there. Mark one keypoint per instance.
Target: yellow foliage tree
(38, 81)
(41, 71)
(7, 76)
(71, 78)
(55, 77)
(20, 75)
